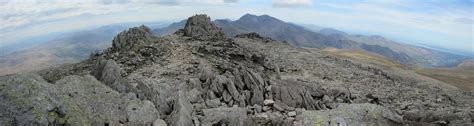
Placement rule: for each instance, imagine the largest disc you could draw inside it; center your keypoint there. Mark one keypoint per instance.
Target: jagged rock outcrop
(233, 116)
(134, 36)
(182, 114)
(109, 73)
(254, 36)
(201, 27)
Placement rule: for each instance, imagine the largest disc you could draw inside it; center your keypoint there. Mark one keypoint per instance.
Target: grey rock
(133, 36)
(99, 102)
(353, 114)
(232, 89)
(201, 27)
(293, 94)
(255, 36)
(292, 113)
(108, 72)
(242, 101)
(214, 103)
(141, 112)
(27, 99)
(159, 122)
(268, 102)
(225, 116)
(196, 121)
(266, 108)
(181, 115)
(194, 95)
(257, 108)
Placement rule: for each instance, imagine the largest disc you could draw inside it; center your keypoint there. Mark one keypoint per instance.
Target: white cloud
(291, 3)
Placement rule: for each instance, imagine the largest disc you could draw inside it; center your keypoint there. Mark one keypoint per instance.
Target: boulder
(268, 102)
(27, 99)
(99, 102)
(225, 116)
(159, 122)
(109, 73)
(141, 112)
(293, 94)
(182, 113)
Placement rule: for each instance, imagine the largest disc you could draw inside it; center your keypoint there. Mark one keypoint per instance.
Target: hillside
(366, 58)
(461, 76)
(67, 49)
(200, 76)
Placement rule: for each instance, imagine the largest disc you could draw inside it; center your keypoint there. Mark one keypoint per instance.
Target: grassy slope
(461, 76)
(366, 57)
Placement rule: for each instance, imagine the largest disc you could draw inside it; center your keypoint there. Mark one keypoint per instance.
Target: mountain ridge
(196, 76)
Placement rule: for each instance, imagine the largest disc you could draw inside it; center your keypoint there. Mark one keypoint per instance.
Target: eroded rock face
(201, 27)
(96, 100)
(108, 72)
(182, 114)
(233, 116)
(254, 36)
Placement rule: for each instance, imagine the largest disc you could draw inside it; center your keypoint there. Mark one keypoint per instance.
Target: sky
(443, 23)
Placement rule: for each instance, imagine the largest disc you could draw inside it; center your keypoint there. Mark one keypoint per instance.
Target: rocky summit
(198, 76)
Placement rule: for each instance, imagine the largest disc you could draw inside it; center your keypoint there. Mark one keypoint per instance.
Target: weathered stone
(268, 102)
(292, 113)
(109, 73)
(242, 101)
(98, 101)
(201, 27)
(354, 114)
(27, 99)
(257, 108)
(214, 103)
(225, 116)
(141, 112)
(293, 94)
(159, 122)
(266, 108)
(193, 95)
(131, 37)
(181, 115)
(232, 89)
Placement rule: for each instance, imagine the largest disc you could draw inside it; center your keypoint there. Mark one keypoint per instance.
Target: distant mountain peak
(201, 26)
(255, 18)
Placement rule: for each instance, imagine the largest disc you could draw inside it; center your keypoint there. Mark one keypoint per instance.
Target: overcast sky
(446, 23)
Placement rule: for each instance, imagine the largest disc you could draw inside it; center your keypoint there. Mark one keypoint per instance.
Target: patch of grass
(460, 77)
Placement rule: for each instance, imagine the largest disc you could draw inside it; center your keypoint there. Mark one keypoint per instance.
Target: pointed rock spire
(201, 27)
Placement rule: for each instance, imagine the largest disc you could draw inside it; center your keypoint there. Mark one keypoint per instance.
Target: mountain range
(77, 46)
(300, 36)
